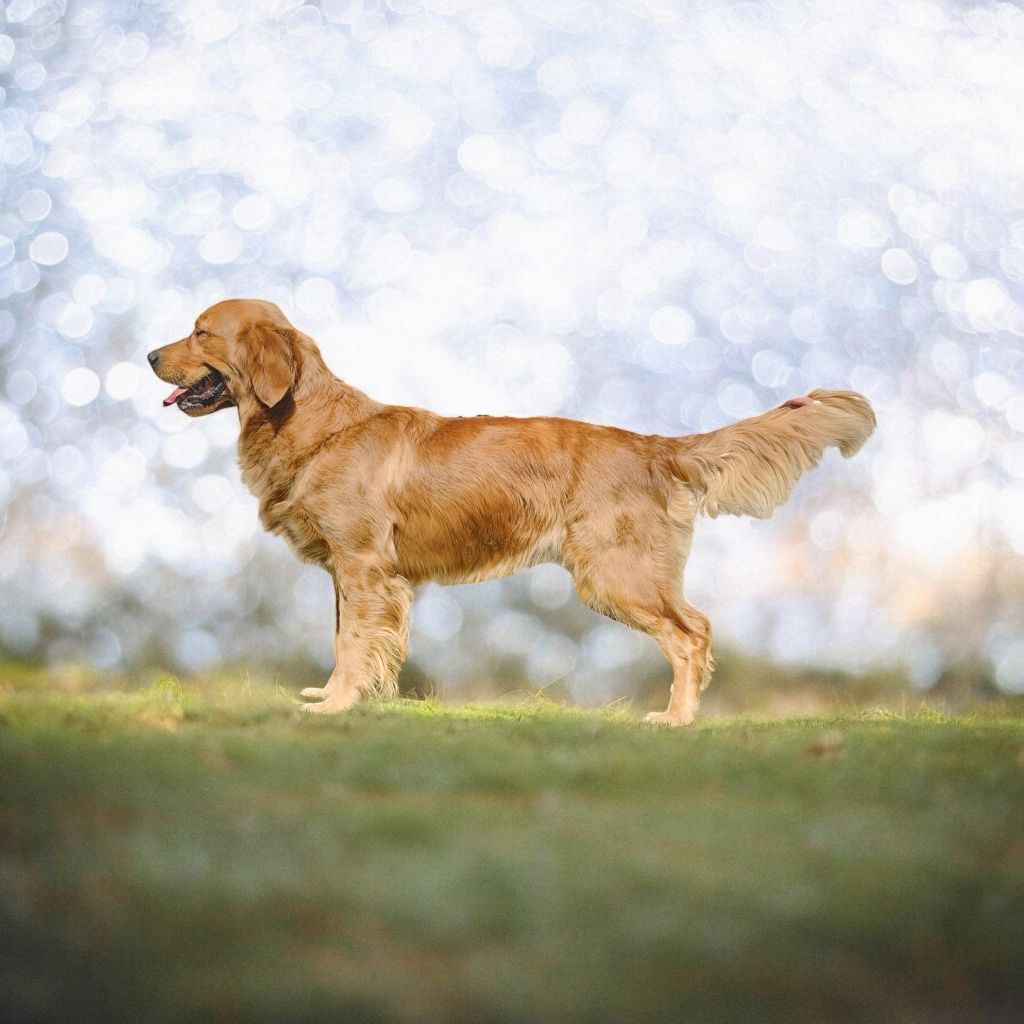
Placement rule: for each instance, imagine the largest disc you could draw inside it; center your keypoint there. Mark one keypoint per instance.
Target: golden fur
(385, 497)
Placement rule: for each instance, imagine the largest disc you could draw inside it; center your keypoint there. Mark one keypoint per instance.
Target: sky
(663, 216)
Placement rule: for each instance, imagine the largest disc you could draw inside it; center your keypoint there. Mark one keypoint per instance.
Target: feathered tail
(750, 467)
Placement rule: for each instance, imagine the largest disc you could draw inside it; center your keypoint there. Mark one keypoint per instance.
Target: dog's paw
(328, 706)
(319, 707)
(314, 691)
(664, 718)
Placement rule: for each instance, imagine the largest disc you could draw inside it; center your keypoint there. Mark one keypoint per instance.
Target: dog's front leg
(371, 634)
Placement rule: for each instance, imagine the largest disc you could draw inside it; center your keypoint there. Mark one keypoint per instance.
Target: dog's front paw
(665, 718)
(314, 691)
(330, 705)
(319, 707)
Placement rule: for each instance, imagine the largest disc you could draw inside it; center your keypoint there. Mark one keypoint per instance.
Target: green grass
(167, 855)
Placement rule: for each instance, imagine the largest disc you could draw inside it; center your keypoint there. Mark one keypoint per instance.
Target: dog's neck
(272, 442)
(317, 394)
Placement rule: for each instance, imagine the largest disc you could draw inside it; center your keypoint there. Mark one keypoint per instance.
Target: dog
(385, 497)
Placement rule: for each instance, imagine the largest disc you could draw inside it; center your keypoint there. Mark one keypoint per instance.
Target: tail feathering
(750, 467)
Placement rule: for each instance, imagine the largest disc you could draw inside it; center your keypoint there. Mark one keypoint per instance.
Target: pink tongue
(174, 396)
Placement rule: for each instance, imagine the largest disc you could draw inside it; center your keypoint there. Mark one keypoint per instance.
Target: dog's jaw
(206, 395)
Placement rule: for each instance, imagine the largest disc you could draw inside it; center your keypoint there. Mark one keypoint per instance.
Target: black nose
(154, 358)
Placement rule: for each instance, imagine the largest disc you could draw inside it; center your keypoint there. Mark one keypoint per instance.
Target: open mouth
(203, 393)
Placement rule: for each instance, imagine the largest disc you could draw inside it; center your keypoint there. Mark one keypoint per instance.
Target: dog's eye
(200, 332)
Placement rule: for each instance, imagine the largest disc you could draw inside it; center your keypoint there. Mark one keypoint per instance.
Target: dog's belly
(464, 545)
(474, 565)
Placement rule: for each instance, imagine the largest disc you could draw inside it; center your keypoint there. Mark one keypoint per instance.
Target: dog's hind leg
(371, 634)
(684, 635)
(636, 578)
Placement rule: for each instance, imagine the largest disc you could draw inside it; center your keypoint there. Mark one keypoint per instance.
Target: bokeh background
(660, 215)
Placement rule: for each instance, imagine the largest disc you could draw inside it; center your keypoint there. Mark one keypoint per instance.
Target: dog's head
(239, 349)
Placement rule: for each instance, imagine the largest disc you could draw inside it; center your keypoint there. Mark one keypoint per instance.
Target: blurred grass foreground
(208, 853)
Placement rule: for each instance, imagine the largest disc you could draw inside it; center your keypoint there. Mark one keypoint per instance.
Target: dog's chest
(271, 480)
(298, 529)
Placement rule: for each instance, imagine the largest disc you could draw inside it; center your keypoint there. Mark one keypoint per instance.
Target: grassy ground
(170, 855)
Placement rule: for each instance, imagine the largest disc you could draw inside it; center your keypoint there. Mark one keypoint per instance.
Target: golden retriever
(384, 497)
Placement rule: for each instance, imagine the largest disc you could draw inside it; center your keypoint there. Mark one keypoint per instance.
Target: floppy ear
(265, 356)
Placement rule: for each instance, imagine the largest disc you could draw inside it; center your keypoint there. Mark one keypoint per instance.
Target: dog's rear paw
(664, 718)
